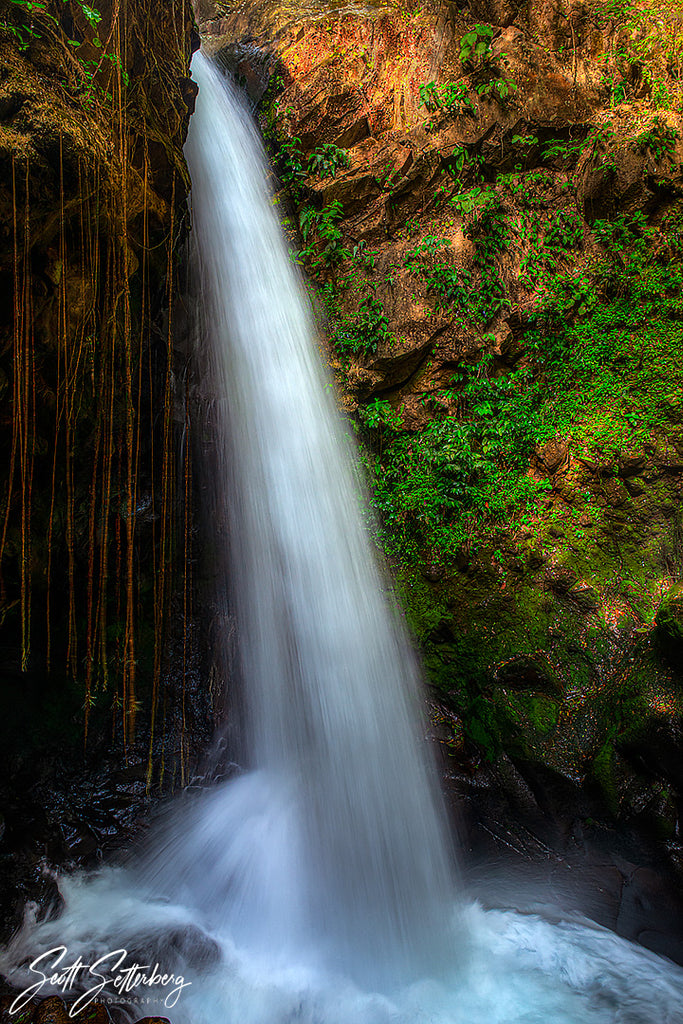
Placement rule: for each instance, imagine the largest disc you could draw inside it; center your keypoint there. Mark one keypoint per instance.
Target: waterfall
(333, 728)
(316, 887)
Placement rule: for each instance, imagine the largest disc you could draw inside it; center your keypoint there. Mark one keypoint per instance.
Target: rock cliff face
(488, 200)
(94, 106)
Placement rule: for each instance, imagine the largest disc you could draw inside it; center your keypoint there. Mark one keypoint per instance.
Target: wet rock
(433, 573)
(536, 557)
(528, 672)
(178, 949)
(52, 1011)
(611, 175)
(559, 578)
(354, 193)
(511, 350)
(656, 746)
(632, 465)
(96, 1013)
(634, 486)
(24, 1017)
(669, 620)
(615, 493)
(585, 596)
(554, 455)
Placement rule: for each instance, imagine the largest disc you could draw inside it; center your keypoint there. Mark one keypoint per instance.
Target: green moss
(603, 370)
(543, 714)
(604, 774)
(482, 731)
(669, 618)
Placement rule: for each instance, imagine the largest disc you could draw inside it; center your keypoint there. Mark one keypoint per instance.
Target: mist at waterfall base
(316, 887)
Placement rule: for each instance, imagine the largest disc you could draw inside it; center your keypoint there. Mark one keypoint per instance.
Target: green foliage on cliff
(650, 47)
(322, 234)
(326, 160)
(659, 140)
(479, 295)
(451, 97)
(30, 20)
(603, 363)
(431, 487)
(364, 331)
(431, 259)
(475, 45)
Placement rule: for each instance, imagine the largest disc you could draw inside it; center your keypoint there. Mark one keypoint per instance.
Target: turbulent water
(316, 887)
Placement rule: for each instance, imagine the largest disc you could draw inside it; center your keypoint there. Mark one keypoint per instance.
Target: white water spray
(357, 861)
(320, 878)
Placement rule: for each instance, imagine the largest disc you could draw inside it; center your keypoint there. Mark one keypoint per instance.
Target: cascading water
(356, 861)
(319, 878)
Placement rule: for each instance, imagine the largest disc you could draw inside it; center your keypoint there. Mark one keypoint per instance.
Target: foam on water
(520, 968)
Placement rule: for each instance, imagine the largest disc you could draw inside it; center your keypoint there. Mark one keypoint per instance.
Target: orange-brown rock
(353, 78)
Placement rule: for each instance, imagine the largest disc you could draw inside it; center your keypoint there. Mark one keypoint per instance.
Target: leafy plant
(363, 256)
(486, 225)
(476, 51)
(475, 45)
(452, 97)
(489, 231)
(429, 96)
(294, 170)
(462, 160)
(565, 230)
(455, 98)
(499, 88)
(622, 232)
(320, 230)
(430, 259)
(30, 13)
(25, 28)
(92, 15)
(364, 331)
(33, 17)
(327, 159)
(467, 202)
(380, 413)
(524, 140)
(562, 149)
(659, 140)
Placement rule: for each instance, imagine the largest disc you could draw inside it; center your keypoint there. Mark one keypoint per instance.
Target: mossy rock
(669, 620)
(528, 672)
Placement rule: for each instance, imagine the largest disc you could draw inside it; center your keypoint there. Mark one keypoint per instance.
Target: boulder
(669, 621)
